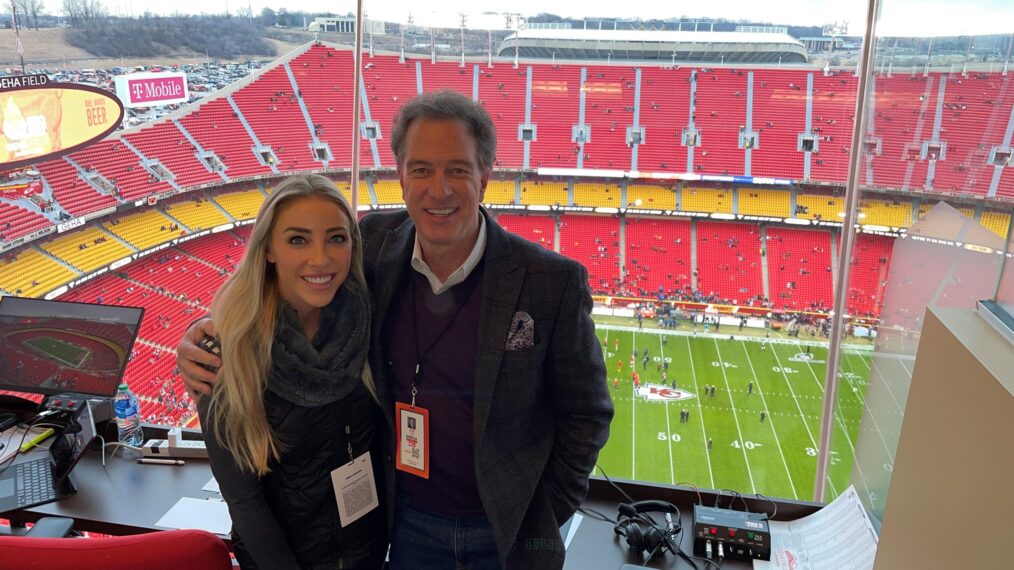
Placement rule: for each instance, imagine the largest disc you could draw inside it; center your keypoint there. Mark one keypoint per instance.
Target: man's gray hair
(447, 105)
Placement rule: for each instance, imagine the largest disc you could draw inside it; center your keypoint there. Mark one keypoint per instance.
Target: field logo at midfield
(659, 393)
(805, 357)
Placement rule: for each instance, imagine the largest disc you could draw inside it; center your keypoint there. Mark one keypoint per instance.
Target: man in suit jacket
(486, 341)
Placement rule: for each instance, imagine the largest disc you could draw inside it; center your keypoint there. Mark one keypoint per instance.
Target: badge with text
(413, 454)
(355, 489)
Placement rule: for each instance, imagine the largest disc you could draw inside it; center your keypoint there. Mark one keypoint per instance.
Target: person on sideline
(486, 340)
(293, 401)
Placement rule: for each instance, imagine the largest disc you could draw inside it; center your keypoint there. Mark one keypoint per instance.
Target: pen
(37, 440)
(161, 461)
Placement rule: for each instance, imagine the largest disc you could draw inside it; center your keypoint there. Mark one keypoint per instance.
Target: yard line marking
(700, 412)
(848, 439)
(771, 420)
(633, 416)
(668, 429)
(802, 416)
(887, 383)
(873, 417)
(883, 379)
(735, 415)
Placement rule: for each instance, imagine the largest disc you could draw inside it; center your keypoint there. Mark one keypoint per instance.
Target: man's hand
(190, 357)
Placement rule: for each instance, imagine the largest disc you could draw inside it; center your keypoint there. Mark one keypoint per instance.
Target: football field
(62, 351)
(773, 456)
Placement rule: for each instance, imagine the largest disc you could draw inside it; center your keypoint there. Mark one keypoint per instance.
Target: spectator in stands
(295, 399)
(451, 272)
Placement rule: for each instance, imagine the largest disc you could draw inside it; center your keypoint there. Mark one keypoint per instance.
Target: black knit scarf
(327, 369)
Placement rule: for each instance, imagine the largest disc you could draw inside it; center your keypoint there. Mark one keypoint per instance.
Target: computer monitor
(50, 347)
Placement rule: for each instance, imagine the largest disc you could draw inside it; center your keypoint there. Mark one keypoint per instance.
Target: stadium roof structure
(646, 45)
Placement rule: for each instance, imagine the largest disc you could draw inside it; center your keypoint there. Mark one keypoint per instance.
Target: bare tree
(31, 10)
(80, 12)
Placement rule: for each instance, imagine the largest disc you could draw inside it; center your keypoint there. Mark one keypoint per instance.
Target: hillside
(48, 49)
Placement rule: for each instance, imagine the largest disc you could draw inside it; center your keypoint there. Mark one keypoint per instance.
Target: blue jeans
(424, 540)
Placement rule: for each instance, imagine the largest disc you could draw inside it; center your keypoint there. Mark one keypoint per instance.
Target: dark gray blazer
(542, 408)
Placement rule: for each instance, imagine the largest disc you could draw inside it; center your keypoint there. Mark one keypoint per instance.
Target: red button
(732, 532)
(714, 530)
(70, 404)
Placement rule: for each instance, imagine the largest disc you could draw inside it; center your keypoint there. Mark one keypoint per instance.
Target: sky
(898, 17)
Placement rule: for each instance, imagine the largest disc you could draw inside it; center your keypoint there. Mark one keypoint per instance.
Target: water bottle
(128, 417)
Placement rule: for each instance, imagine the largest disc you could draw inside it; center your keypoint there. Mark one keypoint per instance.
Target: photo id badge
(413, 453)
(355, 489)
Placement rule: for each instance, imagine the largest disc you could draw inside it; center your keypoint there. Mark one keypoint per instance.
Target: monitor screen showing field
(50, 347)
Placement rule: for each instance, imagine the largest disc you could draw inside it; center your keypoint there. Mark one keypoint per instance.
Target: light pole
(463, 20)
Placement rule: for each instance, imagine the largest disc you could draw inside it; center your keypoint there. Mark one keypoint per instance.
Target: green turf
(776, 457)
(69, 354)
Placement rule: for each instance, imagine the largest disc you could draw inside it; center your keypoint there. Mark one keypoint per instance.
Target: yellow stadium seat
(823, 207)
(597, 195)
(706, 200)
(88, 249)
(884, 213)
(651, 197)
(144, 229)
(241, 205)
(499, 192)
(388, 192)
(996, 222)
(546, 193)
(761, 202)
(197, 214)
(32, 274)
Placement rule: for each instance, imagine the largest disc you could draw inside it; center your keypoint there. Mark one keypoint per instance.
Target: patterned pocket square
(522, 333)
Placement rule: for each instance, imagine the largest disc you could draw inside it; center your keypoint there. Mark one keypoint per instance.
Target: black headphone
(642, 533)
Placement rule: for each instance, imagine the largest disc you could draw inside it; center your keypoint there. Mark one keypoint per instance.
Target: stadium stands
(144, 229)
(720, 114)
(544, 192)
(74, 194)
(217, 128)
(196, 213)
(799, 269)
(596, 194)
(502, 93)
(996, 222)
(241, 205)
(535, 228)
(271, 107)
(388, 191)
(594, 241)
(658, 255)
(222, 250)
(500, 192)
(87, 249)
(17, 221)
(868, 274)
(653, 197)
(706, 200)
(883, 213)
(556, 101)
(31, 274)
(728, 261)
(609, 109)
(121, 168)
(761, 202)
(665, 112)
(779, 115)
(165, 142)
(819, 207)
(834, 103)
(324, 76)
(902, 119)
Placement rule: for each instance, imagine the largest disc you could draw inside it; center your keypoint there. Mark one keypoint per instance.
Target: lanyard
(420, 355)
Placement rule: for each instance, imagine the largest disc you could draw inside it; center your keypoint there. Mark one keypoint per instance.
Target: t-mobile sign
(152, 89)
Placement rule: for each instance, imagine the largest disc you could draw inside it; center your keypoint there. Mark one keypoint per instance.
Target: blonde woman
(294, 402)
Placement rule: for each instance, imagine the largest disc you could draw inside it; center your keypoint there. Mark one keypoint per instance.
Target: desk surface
(596, 546)
(127, 498)
(123, 497)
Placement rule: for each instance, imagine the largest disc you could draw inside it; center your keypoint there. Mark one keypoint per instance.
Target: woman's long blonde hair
(244, 312)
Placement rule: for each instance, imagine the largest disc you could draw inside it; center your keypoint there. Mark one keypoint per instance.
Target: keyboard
(34, 482)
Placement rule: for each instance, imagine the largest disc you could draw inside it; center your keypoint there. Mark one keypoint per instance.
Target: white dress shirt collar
(459, 274)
